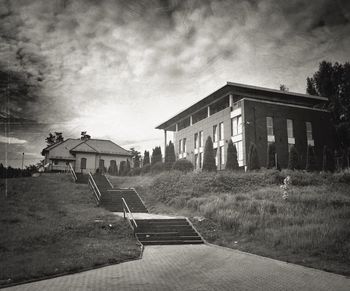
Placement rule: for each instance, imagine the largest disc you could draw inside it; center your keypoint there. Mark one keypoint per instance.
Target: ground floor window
(200, 160)
(222, 156)
(196, 161)
(83, 163)
(239, 148)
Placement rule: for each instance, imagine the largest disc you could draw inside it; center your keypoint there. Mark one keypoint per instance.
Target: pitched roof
(101, 146)
(68, 144)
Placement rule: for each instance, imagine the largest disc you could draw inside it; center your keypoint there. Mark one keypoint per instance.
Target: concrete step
(171, 242)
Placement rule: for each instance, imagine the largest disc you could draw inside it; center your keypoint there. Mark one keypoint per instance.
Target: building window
(222, 155)
(290, 128)
(180, 146)
(196, 161)
(215, 133)
(200, 138)
(55, 162)
(239, 148)
(200, 160)
(184, 145)
(83, 163)
(236, 125)
(269, 125)
(221, 131)
(309, 130)
(196, 140)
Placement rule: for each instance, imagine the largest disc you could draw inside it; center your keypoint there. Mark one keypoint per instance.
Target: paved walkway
(196, 267)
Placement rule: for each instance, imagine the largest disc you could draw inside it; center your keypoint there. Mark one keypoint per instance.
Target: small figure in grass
(285, 187)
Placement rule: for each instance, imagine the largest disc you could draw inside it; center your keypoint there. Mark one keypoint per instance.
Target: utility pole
(22, 160)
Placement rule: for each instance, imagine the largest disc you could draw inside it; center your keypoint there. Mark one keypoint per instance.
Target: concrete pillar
(208, 111)
(230, 100)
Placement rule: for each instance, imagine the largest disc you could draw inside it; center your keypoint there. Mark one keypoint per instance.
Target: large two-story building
(248, 114)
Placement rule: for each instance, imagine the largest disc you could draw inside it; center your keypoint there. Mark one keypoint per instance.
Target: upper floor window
(196, 140)
(269, 125)
(221, 131)
(215, 133)
(236, 124)
(290, 130)
(309, 130)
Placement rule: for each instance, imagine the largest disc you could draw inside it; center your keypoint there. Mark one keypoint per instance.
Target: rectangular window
(309, 130)
(200, 160)
(269, 125)
(221, 131)
(215, 133)
(180, 146)
(236, 125)
(196, 161)
(239, 147)
(196, 140)
(184, 146)
(200, 138)
(222, 155)
(290, 128)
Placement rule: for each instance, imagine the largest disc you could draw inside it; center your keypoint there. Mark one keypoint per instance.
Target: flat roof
(245, 90)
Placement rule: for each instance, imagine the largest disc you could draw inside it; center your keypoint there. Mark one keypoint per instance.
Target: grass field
(246, 211)
(50, 225)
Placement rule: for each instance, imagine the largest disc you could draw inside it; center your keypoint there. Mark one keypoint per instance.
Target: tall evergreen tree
(156, 155)
(209, 158)
(232, 160)
(271, 159)
(146, 158)
(253, 158)
(169, 156)
(127, 168)
(328, 163)
(293, 160)
(311, 160)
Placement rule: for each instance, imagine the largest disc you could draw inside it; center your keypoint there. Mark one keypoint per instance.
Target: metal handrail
(94, 187)
(72, 172)
(95, 193)
(126, 207)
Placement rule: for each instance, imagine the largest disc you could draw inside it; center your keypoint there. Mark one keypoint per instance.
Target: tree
(122, 168)
(209, 158)
(311, 160)
(328, 163)
(136, 155)
(146, 158)
(253, 158)
(333, 81)
(271, 156)
(113, 168)
(54, 138)
(84, 135)
(169, 156)
(156, 155)
(293, 160)
(232, 161)
(127, 168)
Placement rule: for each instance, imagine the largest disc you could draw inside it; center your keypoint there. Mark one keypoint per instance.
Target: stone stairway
(166, 232)
(148, 231)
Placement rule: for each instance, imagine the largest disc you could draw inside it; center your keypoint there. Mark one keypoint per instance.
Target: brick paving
(196, 267)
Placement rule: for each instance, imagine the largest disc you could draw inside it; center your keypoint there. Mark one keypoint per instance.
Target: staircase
(112, 200)
(166, 232)
(147, 231)
(82, 178)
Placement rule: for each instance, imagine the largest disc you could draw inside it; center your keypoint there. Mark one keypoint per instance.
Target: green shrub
(311, 160)
(156, 156)
(146, 169)
(253, 158)
(135, 172)
(232, 161)
(158, 168)
(328, 163)
(146, 158)
(209, 158)
(293, 160)
(271, 152)
(123, 168)
(183, 165)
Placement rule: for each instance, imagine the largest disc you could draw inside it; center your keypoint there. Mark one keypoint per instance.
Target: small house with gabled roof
(89, 155)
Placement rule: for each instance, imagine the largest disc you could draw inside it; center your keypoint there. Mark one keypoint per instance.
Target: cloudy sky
(119, 68)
